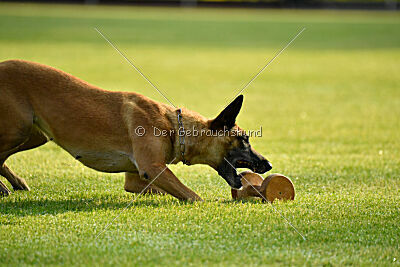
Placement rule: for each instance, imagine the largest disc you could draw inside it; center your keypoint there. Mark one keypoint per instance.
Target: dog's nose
(269, 166)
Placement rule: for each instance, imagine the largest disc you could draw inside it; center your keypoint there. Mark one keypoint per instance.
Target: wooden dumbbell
(275, 186)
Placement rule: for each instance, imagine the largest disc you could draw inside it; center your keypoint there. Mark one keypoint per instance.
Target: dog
(116, 131)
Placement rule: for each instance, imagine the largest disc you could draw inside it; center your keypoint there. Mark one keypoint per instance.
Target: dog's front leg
(150, 154)
(165, 179)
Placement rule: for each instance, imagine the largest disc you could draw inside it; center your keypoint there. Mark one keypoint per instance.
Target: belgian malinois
(115, 131)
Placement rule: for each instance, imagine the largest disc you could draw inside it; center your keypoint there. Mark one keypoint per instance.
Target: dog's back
(40, 100)
(55, 101)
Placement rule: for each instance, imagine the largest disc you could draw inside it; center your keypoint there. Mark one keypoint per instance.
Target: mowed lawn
(329, 108)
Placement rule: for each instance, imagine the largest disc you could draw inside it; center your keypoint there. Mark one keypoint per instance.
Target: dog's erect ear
(228, 116)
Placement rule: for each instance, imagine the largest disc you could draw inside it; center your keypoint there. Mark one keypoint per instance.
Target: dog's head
(230, 148)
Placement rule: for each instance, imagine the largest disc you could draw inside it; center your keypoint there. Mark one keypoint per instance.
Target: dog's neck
(194, 126)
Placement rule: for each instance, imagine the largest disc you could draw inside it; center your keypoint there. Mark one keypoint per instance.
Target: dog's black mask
(243, 156)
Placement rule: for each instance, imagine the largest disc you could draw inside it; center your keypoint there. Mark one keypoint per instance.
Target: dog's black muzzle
(250, 159)
(262, 166)
(258, 162)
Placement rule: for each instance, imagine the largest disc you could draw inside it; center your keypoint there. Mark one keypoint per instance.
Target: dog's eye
(244, 138)
(244, 141)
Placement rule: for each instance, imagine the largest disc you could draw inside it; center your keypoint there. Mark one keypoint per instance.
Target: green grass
(329, 108)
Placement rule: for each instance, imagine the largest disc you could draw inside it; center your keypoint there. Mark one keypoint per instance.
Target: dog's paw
(4, 191)
(22, 185)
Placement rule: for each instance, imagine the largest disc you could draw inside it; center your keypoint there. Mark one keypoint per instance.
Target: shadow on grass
(32, 207)
(52, 207)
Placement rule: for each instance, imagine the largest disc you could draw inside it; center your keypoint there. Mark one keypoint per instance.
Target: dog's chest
(106, 161)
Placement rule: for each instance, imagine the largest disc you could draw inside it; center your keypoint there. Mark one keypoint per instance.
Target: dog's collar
(181, 135)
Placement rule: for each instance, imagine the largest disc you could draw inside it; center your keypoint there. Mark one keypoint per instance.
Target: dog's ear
(228, 116)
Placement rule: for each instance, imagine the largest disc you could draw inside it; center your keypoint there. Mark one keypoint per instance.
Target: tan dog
(114, 131)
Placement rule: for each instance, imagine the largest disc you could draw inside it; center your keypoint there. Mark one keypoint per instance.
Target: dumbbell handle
(247, 191)
(254, 190)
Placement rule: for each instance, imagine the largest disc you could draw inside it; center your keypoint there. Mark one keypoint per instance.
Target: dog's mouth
(240, 163)
(253, 161)
(229, 172)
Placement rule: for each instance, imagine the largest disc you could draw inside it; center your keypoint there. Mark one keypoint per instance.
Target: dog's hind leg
(4, 191)
(37, 138)
(135, 184)
(17, 132)
(17, 183)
